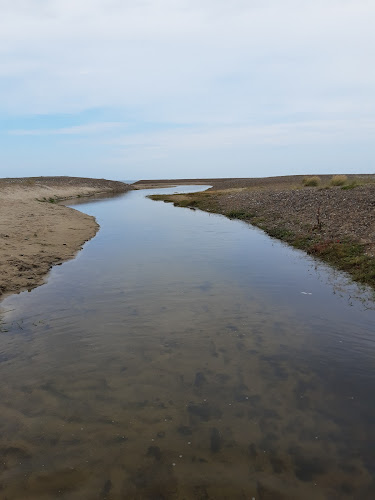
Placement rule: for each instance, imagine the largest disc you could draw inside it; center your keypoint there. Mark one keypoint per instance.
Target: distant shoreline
(219, 183)
(36, 232)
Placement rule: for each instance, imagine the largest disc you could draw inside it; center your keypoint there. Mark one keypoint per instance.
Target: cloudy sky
(132, 89)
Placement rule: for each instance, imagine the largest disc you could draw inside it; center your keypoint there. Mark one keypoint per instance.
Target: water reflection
(177, 357)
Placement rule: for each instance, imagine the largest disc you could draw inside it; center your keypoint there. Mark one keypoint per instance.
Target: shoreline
(333, 220)
(334, 223)
(37, 231)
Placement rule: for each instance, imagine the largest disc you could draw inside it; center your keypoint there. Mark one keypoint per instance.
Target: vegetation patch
(185, 203)
(303, 242)
(159, 197)
(339, 180)
(311, 181)
(351, 185)
(240, 214)
(49, 200)
(348, 256)
(281, 233)
(194, 200)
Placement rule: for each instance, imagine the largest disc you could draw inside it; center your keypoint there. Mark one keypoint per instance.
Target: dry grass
(314, 180)
(339, 180)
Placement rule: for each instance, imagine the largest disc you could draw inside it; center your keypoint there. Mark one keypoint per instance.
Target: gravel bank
(330, 214)
(334, 223)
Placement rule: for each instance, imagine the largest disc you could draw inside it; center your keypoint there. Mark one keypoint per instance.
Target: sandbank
(36, 232)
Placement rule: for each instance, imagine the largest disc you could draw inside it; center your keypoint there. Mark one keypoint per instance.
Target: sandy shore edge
(36, 233)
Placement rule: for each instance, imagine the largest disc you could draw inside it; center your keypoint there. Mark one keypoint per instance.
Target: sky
(137, 89)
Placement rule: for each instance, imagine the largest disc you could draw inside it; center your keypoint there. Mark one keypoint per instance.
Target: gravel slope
(334, 223)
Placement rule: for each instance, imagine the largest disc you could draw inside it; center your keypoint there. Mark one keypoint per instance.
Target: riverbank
(36, 232)
(330, 217)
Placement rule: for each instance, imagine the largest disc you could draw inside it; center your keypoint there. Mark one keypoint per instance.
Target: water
(177, 357)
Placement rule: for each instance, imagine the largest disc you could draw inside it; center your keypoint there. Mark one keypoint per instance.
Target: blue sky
(186, 88)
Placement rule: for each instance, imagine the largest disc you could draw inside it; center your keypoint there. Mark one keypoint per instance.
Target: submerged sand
(36, 233)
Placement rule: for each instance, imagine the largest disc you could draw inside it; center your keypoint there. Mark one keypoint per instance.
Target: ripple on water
(177, 358)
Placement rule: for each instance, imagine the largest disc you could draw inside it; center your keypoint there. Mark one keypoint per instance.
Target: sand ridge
(36, 232)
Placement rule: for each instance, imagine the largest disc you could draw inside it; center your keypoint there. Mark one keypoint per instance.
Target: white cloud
(234, 74)
(231, 137)
(69, 55)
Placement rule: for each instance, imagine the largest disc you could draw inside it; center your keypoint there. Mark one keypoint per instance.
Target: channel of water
(185, 355)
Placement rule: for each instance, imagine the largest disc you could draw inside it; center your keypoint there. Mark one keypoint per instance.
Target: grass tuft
(311, 181)
(339, 180)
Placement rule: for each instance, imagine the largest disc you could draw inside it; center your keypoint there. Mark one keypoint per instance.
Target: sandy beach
(36, 232)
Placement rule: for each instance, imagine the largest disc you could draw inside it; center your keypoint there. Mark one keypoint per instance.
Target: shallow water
(184, 355)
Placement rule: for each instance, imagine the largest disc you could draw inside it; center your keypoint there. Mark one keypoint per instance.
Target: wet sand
(36, 232)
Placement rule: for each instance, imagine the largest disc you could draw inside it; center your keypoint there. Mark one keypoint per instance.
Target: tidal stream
(183, 355)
